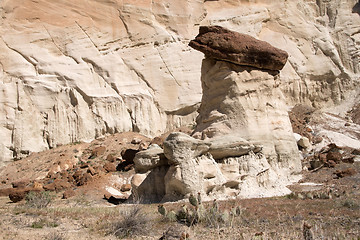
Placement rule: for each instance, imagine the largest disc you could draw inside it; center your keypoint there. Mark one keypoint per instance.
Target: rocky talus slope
(76, 71)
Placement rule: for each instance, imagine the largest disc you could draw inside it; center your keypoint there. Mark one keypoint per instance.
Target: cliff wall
(76, 71)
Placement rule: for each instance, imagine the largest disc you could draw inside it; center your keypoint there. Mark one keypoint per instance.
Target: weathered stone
(223, 44)
(110, 167)
(345, 172)
(334, 155)
(68, 193)
(180, 147)
(110, 158)
(20, 184)
(149, 159)
(247, 103)
(18, 195)
(304, 143)
(81, 178)
(91, 170)
(230, 146)
(98, 151)
(114, 196)
(125, 187)
(128, 155)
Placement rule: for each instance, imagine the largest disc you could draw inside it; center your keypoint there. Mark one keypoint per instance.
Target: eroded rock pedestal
(243, 144)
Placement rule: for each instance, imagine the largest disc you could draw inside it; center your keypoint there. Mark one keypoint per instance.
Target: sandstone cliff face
(72, 72)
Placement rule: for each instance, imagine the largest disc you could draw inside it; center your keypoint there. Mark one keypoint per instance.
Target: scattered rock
(223, 44)
(125, 187)
(91, 170)
(317, 139)
(81, 178)
(110, 167)
(68, 193)
(20, 184)
(97, 151)
(345, 173)
(304, 143)
(136, 141)
(128, 155)
(111, 158)
(114, 196)
(334, 155)
(18, 195)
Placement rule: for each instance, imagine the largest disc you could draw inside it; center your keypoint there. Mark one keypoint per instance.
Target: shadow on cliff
(356, 8)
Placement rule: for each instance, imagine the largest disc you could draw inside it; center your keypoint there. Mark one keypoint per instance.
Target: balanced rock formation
(220, 43)
(245, 146)
(73, 73)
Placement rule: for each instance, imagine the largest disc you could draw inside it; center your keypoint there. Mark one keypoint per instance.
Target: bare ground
(329, 204)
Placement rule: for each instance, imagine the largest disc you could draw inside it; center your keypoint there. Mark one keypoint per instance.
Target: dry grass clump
(38, 199)
(131, 222)
(55, 236)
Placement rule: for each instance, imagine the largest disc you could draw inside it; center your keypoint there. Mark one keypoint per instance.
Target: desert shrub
(38, 199)
(55, 236)
(208, 215)
(43, 223)
(131, 222)
(351, 204)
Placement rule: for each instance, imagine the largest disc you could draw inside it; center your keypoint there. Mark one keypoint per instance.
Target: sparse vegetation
(38, 199)
(129, 223)
(43, 223)
(55, 236)
(209, 215)
(351, 204)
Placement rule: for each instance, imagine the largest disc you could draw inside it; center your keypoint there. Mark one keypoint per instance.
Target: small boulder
(17, 195)
(125, 187)
(149, 159)
(68, 194)
(304, 143)
(345, 173)
(110, 167)
(334, 155)
(179, 146)
(91, 170)
(98, 151)
(110, 158)
(20, 184)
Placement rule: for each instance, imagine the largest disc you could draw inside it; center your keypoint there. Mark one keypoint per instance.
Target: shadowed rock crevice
(356, 8)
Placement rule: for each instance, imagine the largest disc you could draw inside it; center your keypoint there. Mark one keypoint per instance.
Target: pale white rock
(201, 174)
(230, 146)
(76, 72)
(304, 143)
(297, 137)
(149, 187)
(251, 106)
(148, 159)
(180, 147)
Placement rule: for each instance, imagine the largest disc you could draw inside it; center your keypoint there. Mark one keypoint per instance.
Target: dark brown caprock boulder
(220, 43)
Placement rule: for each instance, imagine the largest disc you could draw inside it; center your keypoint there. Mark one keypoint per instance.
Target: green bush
(38, 199)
